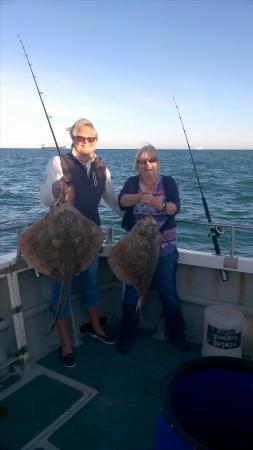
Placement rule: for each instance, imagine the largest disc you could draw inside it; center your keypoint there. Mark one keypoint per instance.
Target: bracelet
(164, 207)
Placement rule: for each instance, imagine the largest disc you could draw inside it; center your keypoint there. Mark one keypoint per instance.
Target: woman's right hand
(146, 199)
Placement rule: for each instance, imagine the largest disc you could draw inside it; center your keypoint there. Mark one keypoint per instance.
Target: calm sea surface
(226, 177)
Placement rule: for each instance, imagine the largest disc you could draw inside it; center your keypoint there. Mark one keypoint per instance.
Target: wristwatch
(164, 207)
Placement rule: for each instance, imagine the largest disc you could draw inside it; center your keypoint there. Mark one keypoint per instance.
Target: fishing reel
(216, 231)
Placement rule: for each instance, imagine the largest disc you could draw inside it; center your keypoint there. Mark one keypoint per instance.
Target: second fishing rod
(215, 232)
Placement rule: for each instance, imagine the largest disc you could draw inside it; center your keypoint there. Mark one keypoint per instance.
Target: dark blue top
(131, 186)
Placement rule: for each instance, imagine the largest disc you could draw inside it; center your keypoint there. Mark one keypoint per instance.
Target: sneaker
(107, 339)
(181, 344)
(86, 327)
(68, 360)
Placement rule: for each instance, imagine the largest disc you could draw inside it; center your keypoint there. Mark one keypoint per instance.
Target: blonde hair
(149, 149)
(80, 123)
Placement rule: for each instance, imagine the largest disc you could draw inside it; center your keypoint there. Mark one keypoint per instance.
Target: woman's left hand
(171, 208)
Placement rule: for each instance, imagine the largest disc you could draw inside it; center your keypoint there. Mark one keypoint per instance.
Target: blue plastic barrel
(207, 404)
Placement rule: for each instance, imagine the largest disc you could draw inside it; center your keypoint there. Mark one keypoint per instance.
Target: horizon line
(134, 149)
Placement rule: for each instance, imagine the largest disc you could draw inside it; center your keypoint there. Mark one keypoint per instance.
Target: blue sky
(119, 63)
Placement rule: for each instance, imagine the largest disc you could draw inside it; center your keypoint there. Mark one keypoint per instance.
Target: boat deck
(109, 401)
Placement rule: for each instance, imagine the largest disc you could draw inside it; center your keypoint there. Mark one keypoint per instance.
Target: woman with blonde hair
(150, 193)
(88, 180)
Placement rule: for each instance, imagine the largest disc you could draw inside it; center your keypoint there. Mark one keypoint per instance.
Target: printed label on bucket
(222, 338)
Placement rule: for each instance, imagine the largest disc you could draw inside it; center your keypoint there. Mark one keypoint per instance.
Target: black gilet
(85, 191)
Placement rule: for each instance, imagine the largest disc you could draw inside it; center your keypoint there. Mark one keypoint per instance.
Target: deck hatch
(54, 397)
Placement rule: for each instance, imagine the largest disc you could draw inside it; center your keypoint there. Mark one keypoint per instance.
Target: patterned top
(168, 237)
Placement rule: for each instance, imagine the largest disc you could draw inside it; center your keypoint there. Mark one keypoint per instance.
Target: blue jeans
(88, 290)
(165, 282)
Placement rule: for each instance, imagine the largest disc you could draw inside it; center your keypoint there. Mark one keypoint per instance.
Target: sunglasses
(82, 139)
(151, 160)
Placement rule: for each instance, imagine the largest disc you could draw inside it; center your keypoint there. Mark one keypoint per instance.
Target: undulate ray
(61, 244)
(134, 258)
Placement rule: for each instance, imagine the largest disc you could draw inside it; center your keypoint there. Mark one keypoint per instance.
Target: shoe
(123, 346)
(181, 344)
(86, 327)
(68, 360)
(107, 339)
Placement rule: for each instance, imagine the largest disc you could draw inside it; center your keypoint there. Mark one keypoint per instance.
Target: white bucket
(222, 331)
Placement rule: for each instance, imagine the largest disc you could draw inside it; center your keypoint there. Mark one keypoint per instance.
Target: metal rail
(110, 231)
(224, 226)
(188, 221)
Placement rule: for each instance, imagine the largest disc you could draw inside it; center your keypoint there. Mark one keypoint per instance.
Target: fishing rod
(40, 95)
(215, 232)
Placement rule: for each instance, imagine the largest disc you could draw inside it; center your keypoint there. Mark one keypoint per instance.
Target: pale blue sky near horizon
(119, 63)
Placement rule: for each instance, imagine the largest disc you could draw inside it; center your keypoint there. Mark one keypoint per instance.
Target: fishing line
(40, 95)
(215, 232)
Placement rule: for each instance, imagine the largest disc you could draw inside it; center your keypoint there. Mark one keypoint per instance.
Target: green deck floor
(122, 415)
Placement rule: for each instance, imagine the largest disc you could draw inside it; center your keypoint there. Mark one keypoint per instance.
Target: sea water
(225, 177)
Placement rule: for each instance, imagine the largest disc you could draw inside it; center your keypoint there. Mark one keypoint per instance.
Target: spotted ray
(61, 244)
(134, 258)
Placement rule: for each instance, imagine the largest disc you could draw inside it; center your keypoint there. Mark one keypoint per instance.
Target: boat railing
(110, 232)
(220, 229)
